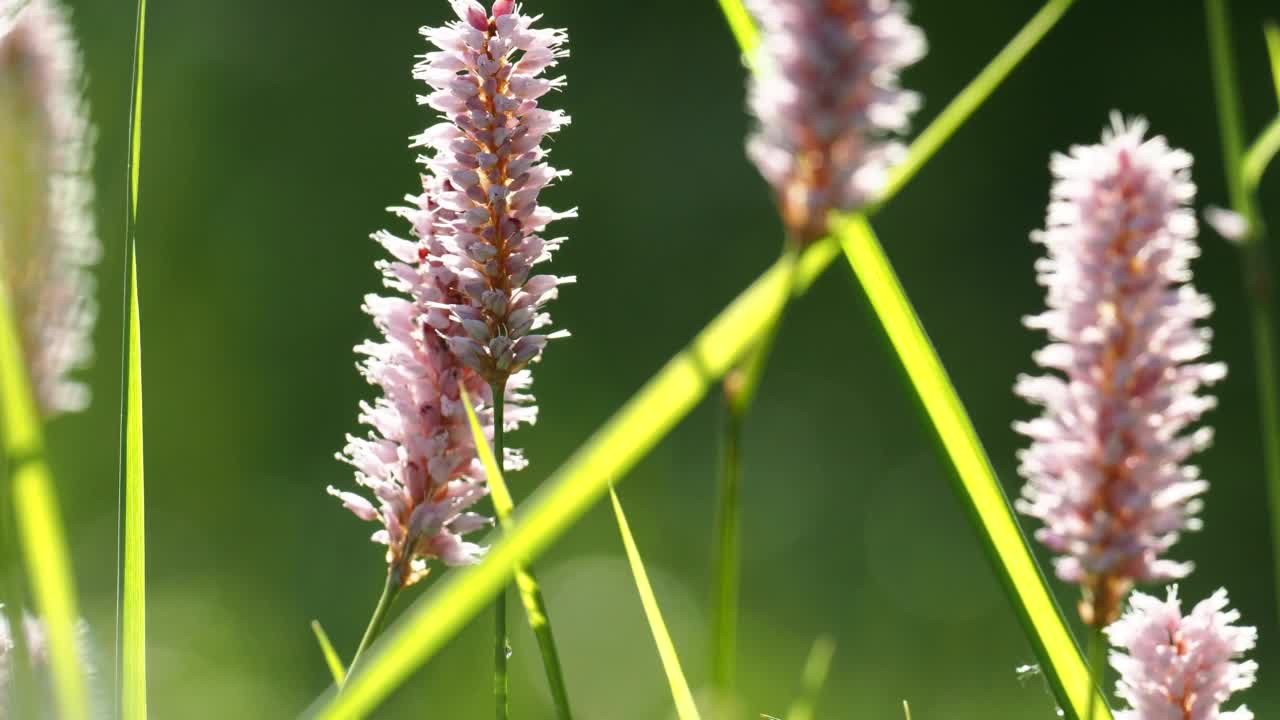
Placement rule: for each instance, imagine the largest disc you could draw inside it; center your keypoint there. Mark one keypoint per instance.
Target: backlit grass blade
(1271, 32)
(132, 621)
(685, 707)
(1060, 658)
(331, 658)
(625, 438)
(741, 24)
(39, 523)
(816, 668)
(565, 496)
(535, 607)
(1261, 153)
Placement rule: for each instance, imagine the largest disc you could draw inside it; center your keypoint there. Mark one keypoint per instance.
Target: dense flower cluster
(826, 95)
(486, 78)
(47, 233)
(465, 305)
(1181, 668)
(1107, 469)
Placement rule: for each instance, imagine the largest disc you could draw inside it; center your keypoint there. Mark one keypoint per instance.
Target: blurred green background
(275, 134)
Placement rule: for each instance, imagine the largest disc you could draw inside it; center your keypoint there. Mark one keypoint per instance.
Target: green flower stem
(1097, 667)
(501, 643)
(389, 592)
(1258, 281)
(739, 391)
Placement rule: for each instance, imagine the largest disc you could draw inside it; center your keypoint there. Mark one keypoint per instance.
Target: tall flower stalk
(1108, 468)
(1259, 281)
(474, 309)
(827, 104)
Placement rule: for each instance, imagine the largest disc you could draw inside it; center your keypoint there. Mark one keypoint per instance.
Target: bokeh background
(275, 134)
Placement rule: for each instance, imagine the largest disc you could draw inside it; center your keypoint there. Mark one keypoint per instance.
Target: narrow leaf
(40, 528)
(623, 440)
(133, 582)
(331, 658)
(816, 668)
(1271, 31)
(741, 25)
(1042, 620)
(685, 707)
(530, 593)
(1261, 153)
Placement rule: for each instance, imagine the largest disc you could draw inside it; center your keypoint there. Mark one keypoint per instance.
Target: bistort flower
(826, 96)
(487, 156)
(465, 305)
(1107, 470)
(48, 240)
(1175, 667)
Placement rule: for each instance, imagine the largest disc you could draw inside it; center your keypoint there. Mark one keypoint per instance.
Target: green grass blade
(566, 495)
(39, 523)
(331, 657)
(686, 709)
(741, 25)
(1271, 32)
(132, 622)
(816, 668)
(1261, 153)
(1060, 658)
(535, 607)
(625, 438)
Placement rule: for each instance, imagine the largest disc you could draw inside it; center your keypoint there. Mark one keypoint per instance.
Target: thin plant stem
(389, 593)
(1258, 282)
(501, 644)
(1097, 667)
(724, 630)
(739, 390)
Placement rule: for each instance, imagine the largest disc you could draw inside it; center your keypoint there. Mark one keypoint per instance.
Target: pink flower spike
(49, 241)
(489, 165)
(1181, 667)
(825, 94)
(1107, 470)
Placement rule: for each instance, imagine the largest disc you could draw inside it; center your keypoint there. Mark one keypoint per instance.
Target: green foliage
(40, 528)
(686, 709)
(331, 658)
(133, 583)
(1064, 667)
(816, 668)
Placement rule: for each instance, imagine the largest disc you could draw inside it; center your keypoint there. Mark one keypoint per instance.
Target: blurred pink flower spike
(48, 237)
(1181, 667)
(826, 98)
(1107, 470)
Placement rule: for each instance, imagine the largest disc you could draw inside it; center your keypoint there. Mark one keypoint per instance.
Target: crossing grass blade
(816, 668)
(632, 431)
(132, 622)
(331, 658)
(39, 523)
(535, 607)
(1060, 658)
(686, 709)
